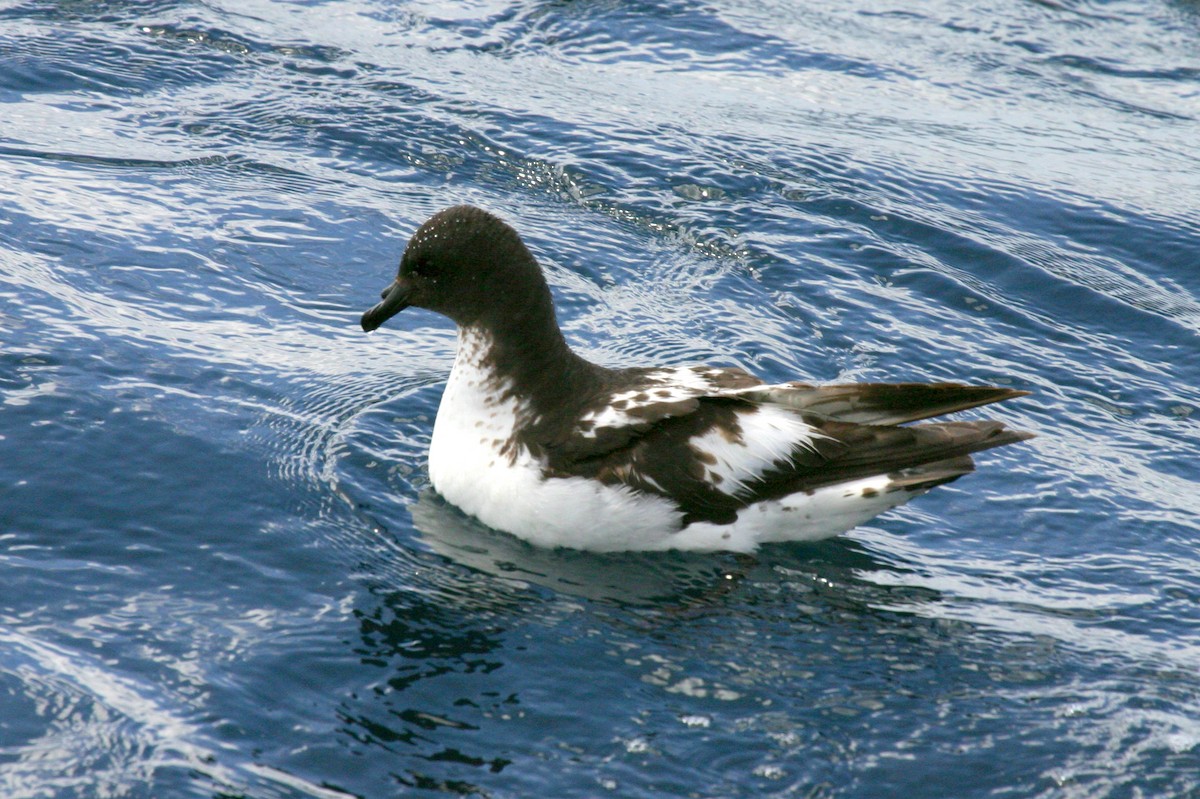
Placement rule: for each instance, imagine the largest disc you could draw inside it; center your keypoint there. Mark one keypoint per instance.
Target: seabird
(532, 439)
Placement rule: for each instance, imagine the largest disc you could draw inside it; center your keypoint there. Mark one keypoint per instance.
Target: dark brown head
(468, 265)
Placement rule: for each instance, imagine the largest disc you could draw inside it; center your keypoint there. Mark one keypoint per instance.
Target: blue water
(223, 574)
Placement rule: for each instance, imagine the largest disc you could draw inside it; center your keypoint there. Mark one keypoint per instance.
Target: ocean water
(222, 570)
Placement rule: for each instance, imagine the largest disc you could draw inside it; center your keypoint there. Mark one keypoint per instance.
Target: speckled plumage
(534, 440)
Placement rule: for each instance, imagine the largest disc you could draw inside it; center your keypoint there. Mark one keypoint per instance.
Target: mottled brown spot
(728, 378)
(715, 478)
(616, 473)
(509, 449)
(705, 457)
(870, 492)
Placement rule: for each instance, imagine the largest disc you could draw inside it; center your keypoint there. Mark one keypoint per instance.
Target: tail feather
(849, 452)
(922, 478)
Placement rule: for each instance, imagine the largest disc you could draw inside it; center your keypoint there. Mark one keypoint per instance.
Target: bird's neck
(530, 362)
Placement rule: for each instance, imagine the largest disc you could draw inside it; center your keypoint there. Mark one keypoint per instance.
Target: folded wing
(717, 440)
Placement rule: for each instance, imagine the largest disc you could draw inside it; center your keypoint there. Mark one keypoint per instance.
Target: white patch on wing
(768, 435)
(661, 387)
(616, 411)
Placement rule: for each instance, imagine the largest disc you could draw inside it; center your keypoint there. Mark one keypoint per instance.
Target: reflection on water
(621, 578)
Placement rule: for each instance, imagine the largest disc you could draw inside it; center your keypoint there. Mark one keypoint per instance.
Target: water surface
(223, 572)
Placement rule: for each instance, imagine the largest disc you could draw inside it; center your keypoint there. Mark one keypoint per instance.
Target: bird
(534, 440)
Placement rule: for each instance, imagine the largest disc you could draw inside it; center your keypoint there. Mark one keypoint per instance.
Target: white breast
(475, 464)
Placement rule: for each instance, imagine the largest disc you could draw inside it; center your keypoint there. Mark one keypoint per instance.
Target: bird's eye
(422, 266)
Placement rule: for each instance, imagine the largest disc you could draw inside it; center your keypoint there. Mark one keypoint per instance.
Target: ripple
(215, 484)
(99, 733)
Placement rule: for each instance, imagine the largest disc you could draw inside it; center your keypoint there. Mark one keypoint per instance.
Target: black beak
(395, 300)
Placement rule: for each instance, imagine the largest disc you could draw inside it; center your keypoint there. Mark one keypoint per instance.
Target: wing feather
(717, 440)
(879, 403)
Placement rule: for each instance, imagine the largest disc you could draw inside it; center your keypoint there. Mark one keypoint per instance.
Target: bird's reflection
(656, 579)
